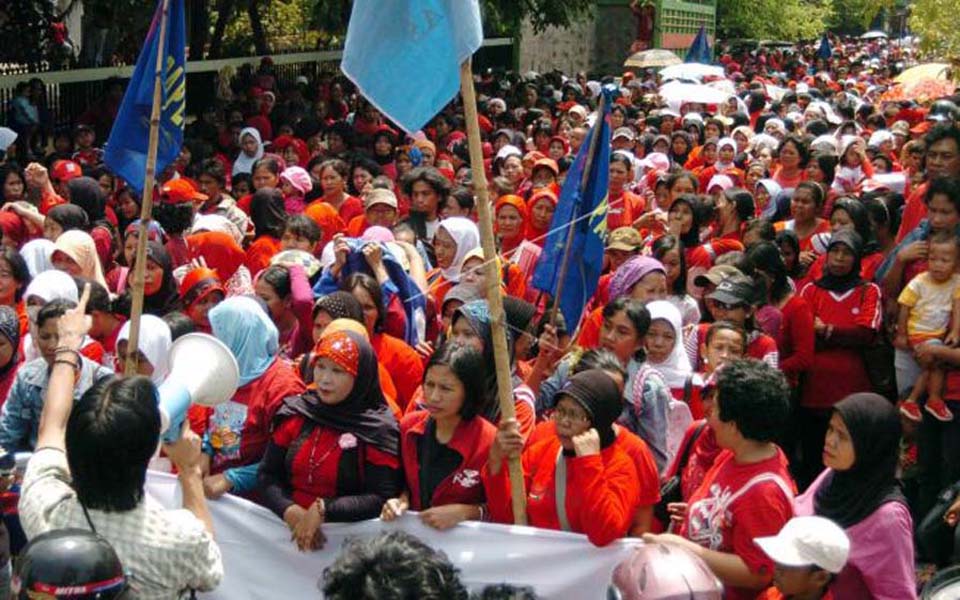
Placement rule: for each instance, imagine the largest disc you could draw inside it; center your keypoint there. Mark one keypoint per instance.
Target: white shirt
(163, 552)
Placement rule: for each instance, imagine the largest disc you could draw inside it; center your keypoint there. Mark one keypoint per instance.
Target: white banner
(261, 562)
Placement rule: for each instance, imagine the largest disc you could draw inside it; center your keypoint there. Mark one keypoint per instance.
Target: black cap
(599, 396)
(734, 290)
(69, 563)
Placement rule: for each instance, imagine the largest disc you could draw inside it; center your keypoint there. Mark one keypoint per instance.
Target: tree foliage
(773, 19)
(938, 25)
(856, 16)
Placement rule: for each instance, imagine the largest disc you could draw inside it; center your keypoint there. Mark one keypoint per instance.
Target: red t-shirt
(914, 211)
(736, 503)
(796, 338)
(623, 211)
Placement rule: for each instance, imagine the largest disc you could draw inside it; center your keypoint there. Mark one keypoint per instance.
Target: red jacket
(471, 440)
(602, 491)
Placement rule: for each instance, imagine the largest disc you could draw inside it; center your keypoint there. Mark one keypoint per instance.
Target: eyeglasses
(561, 414)
(725, 306)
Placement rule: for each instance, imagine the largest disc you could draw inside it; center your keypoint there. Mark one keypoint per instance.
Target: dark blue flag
(586, 211)
(126, 150)
(699, 51)
(824, 51)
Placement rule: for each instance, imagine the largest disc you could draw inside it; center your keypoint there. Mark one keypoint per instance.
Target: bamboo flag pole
(146, 210)
(571, 226)
(498, 329)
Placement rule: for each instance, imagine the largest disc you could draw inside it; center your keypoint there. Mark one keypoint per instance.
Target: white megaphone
(202, 371)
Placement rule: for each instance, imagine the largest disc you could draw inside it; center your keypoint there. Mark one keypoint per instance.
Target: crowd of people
(773, 339)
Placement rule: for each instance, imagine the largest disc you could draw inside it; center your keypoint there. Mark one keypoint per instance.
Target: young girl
(251, 150)
(669, 250)
(295, 183)
(854, 165)
(805, 208)
(664, 347)
(642, 278)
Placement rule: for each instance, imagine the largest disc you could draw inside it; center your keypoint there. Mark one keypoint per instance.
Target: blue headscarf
(245, 327)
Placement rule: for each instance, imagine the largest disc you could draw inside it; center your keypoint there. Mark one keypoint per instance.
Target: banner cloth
(262, 563)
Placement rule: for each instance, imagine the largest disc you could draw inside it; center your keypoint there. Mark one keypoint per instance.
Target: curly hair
(755, 396)
(391, 566)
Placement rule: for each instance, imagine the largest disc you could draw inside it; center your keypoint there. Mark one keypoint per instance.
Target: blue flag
(699, 51)
(126, 150)
(824, 51)
(586, 211)
(405, 57)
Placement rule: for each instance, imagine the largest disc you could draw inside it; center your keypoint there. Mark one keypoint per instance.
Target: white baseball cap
(808, 541)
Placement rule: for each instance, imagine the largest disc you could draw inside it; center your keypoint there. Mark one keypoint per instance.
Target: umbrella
(824, 51)
(652, 58)
(921, 90)
(872, 35)
(691, 71)
(925, 71)
(699, 51)
(676, 94)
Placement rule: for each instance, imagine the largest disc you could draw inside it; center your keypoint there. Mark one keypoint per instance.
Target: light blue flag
(405, 55)
(126, 150)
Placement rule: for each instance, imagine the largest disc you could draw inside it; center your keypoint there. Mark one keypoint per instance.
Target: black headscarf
(339, 305)
(85, 192)
(268, 213)
(848, 497)
(691, 239)
(364, 413)
(70, 216)
(861, 222)
(845, 283)
(600, 397)
(165, 299)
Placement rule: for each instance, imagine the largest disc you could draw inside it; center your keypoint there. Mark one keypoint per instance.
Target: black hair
(816, 127)
(5, 171)
(742, 200)
(54, 310)
(505, 591)
(303, 226)
(464, 198)
(69, 217)
(174, 218)
(430, 176)
(362, 162)
(637, 313)
(340, 166)
(884, 209)
(940, 132)
(467, 364)
(117, 418)
(270, 162)
(18, 268)
(277, 277)
(371, 286)
(718, 326)
(391, 565)
(675, 177)
(756, 101)
(802, 149)
(663, 245)
(622, 158)
(766, 257)
(828, 164)
(241, 178)
(762, 227)
(212, 167)
(815, 189)
(947, 186)
(100, 300)
(599, 358)
(180, 324)
(755, 397)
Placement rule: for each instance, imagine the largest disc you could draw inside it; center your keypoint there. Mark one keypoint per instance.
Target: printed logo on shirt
(467, 478)
(226, 427)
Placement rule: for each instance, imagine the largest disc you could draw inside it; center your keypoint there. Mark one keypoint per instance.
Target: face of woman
(726, 154)
(445, 248)
(942, 213)
(152, 278)
(462, 333)
(709, 154)
(741, 141)
(508, 222)
(765, 156)
(619, 175)
(127, 207)
(275, 304)
(331, 181)
(752, 176)
(789, 156)
(616, 119)
(443, 393)
(264, 178)
(711, 131)
(106, 183)
(6, 351)
(838, 451)
(12, 187)
(659, 340)
(725, 345)
(840, 220)
(803, 208)
(681, 186)
(334, 384)
(789, 256)
(679, 146)
(652, 287)
(290, 155)
(361, 177)
(199, 311)
(814, 172)
(471, 273)
(51, 229)
(512, 169)
(671, 262)
(48, 339)
(143, 365)
(249, 145)
(840, 260)
(571, 420)
(8, 286)
(64, 263)
(542, 213)
(618, 335)
(370, 309)
(556, 150)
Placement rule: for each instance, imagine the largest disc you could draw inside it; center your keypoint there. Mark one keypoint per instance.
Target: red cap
(178, 191)
(198, 284)
(65, 170)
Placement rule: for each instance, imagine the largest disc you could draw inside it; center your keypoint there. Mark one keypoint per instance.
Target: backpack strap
(688, 389)
(685, 453)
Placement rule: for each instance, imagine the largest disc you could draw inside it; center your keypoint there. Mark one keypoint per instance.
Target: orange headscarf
(327, 218)
(219, 250)
(534, 233)
(518, 203)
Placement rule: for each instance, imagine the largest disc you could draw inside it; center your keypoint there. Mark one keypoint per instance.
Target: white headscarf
(215, 222)
(52, 285)
(676, 369)
(465, 233)
(36, 253)
(244, 163)
(154, 343)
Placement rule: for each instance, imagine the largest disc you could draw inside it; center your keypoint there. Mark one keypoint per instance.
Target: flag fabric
(824, 51)
(699, 51)
(405, 57)
(586, 211)
(126, 149)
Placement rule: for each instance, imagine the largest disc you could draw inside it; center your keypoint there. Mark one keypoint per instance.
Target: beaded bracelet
(61, 361)
(64, 350)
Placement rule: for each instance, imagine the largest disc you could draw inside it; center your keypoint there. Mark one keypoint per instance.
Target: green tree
(935, 21)
(773, 19)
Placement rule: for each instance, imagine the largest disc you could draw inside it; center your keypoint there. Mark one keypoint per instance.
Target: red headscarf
(327, 218)
(518, 203)
(219, 250)
(13, 227)
(300, 147)
(534, 233)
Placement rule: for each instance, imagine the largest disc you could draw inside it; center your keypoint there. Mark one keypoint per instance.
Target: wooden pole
(146, 208)
(571, 226)
(501, 353)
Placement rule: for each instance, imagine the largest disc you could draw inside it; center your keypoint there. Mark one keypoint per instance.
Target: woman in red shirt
(601, 491)
(792, 157)
(269, 218)
(847, 317)
(333, 181)
(333, 455)
(623, 205)
(510, 213)
(444, 447)
(850, 213)
(805, 206)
